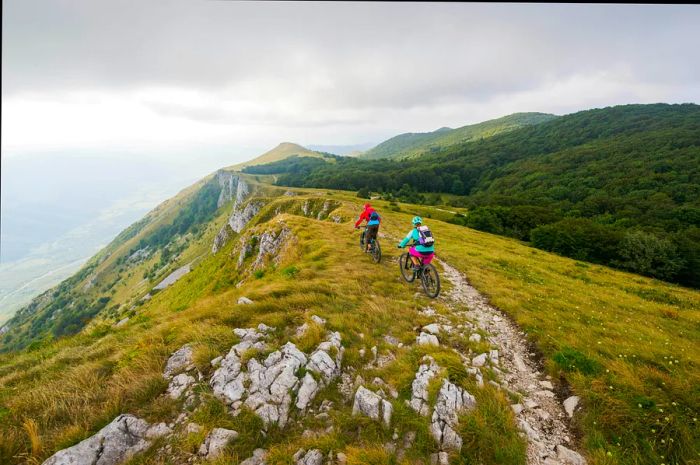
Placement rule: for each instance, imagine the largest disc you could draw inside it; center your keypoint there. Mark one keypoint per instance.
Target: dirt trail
(539, 415)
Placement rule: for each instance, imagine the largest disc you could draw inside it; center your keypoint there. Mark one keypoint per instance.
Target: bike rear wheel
(376, 252)
(406, 266)
(431, 281)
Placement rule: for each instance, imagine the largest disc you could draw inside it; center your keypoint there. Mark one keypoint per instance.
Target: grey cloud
(382, 54)
(372, 69)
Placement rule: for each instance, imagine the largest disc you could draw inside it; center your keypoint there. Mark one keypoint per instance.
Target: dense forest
(618, 186)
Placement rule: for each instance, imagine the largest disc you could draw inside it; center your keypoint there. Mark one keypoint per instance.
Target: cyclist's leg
(414, 254)
(371, 235)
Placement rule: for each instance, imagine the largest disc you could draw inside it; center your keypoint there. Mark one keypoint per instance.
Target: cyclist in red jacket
(370, 215)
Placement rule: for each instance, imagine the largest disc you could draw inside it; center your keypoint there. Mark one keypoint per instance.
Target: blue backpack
(374, 216)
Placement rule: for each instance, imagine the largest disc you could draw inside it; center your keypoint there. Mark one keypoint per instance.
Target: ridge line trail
(542, 417)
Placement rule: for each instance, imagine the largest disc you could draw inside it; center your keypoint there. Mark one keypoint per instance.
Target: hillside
(413, 145)
(628, 176)
(259, 268)
(282, 151)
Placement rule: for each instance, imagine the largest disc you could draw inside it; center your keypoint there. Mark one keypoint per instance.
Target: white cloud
(187, 76)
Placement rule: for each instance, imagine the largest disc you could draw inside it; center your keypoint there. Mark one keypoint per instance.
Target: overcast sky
(160, 76)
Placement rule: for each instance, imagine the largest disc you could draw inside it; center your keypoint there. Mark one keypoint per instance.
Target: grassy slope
(54, 386)
(626, 344)
(412, 145)
(282, 151)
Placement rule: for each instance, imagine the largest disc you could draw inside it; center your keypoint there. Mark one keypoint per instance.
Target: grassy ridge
(53, 386)
(411, 145)
(626, 344)
(282, 151)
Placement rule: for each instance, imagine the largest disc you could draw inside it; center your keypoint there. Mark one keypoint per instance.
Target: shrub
(363, 193)
(647, 254)
(579, 238)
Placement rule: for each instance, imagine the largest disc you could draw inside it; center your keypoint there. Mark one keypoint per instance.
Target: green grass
(54, 385)
(626, 344)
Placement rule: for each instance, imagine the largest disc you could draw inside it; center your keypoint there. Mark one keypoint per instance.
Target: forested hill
(411, 145)
(604, 174)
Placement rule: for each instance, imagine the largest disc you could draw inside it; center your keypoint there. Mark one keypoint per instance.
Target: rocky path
(539, 415)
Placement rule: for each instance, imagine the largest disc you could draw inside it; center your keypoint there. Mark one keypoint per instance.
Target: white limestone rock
(216, 441)
(179, 384)
(479, 360)
(269, 245)
(124, 437)
(570, 405)
(427, 339)
(269, 388)
(240, 218)
(451, 401)
(569, 457)
(244, 301)
(307, 391)
(433, 328)
(180, 361)
(372, 405)
(258, 458)
(419, 387)
(312, 457)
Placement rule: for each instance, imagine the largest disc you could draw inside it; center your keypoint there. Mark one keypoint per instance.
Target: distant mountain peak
(282, 151)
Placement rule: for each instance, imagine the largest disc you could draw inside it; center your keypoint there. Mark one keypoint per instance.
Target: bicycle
(375, 250)
(430, 279)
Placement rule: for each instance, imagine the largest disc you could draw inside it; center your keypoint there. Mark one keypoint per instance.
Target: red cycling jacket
(365, 216)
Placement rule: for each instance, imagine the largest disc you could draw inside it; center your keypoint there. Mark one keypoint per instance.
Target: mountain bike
(375, 250)
(429, 277)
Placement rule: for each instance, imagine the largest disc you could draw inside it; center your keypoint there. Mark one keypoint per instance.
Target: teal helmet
(417, 220)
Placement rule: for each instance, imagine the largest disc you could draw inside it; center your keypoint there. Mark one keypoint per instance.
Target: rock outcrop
(173, 277)
(258, 458)
(268, 388)
(312, 457)
(221, 238)
(216, 441)
(269, 245)
(419, 387)
(180, 361)
(451, 401)
(240, 218)
(372, 405)
(427, 339)
(232, 186)
(179, 385)
(125, 436)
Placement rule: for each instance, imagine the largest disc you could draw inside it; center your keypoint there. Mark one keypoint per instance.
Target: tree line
(626, 178)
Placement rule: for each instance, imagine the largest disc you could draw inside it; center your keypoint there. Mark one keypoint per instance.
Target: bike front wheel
(406, 266)
(431, 281)
(362, 240)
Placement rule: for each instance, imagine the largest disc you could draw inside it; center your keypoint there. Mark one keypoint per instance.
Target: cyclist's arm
(362, 217)
(405, 240)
